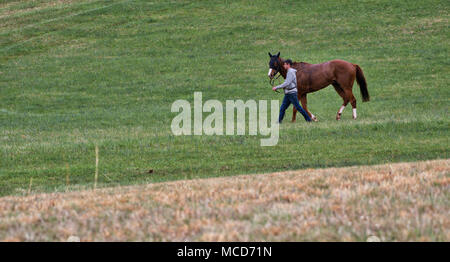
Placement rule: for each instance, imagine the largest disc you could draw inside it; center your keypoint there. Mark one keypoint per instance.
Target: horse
(313, 77)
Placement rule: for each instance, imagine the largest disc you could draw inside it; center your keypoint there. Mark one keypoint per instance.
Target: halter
(272, 80)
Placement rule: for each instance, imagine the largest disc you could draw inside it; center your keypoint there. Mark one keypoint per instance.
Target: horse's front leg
(304, 102)
(294, 114)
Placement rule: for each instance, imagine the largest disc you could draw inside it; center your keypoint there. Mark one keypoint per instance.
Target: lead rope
(272, 81)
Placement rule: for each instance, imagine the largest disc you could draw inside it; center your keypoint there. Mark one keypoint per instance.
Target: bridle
(272, 80)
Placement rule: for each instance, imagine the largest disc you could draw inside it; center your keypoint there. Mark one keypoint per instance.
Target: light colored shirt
(290, 83)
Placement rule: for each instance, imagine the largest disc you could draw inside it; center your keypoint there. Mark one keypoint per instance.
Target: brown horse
(313, 77)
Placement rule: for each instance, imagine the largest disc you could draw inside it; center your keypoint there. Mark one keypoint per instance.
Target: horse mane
(296, 65)
(299, 65)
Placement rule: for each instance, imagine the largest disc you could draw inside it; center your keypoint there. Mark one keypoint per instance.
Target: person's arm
(287, 81)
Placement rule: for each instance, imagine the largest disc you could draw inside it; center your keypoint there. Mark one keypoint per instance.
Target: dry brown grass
(395, 202)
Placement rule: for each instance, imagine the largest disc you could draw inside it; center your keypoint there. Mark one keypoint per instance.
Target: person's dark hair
(288, 61)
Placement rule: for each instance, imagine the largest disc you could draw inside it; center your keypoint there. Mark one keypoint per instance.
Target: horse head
(274, 65)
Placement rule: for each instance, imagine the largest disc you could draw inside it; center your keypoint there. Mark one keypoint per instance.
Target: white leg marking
(341, 109)
(354, 113)
(270, 71)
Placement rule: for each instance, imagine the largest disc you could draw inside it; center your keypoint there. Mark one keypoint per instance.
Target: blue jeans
(287, 101)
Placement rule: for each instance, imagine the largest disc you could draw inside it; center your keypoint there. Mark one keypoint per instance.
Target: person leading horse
(313, 77)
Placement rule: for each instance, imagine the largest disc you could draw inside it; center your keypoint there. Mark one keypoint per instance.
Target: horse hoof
(338, 117)
(314, 119)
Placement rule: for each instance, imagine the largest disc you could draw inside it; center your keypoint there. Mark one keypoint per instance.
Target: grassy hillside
(75, 74)
(394, 202)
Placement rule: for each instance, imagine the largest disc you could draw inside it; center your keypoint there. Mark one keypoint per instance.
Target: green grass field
(75, 74)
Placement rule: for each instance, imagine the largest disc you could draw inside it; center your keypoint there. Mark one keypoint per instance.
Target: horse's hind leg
(346, 99)
(349, 94)
(353, 102)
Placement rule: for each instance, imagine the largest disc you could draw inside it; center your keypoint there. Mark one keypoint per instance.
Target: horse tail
(362, 83)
